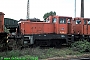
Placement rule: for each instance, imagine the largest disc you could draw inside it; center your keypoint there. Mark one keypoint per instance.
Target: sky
(17, 9)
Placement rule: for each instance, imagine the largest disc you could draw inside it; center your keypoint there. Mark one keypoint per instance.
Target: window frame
(88, 23)
(78, 20)
(54, 20)
(64, 19)
(69, 21)
(85, 22)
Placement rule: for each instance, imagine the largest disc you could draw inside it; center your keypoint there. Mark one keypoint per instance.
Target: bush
(81, 46)
(6, 30)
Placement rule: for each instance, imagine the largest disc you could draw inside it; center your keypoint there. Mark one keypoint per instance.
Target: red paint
(1, 22)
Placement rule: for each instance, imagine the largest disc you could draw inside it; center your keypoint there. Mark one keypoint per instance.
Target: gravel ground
(70, 57)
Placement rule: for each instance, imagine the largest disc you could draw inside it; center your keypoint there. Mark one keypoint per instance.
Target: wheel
(58, 44)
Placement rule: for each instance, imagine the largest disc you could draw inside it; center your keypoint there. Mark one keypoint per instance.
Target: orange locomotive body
(55, 31)
(36, 28)
(57, 24)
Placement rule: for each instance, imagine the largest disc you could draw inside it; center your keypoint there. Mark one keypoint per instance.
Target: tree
(46, 15)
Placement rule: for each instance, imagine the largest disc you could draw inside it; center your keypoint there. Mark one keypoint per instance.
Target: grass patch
(40, 53)
(81, 46)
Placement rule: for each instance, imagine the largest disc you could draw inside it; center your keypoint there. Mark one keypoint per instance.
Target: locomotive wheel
(57, 44)
(3, 44)
(11, 43)
(14, 44)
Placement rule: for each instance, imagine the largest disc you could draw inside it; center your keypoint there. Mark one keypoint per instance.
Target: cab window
(85, 22)
(62, 21)
(89, 22)
(54, 20)
(78, 21)
(68, 21)
(47, 20)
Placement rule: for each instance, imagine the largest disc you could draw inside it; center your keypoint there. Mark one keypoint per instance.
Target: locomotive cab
(81, 26)
(63, 29)
(63, 25)
(78, 27)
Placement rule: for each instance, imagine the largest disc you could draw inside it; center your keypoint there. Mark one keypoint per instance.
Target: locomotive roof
(63, 16)
(82, 18)
(86, 18)
(1, 13)
(32, 20)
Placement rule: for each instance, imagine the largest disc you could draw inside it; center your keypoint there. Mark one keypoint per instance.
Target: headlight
(62, 35)
(25, 42)
(7, 41)
(72, 35)
(7, 37)
(89, 36)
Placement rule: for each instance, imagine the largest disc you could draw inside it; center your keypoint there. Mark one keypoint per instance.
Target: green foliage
(6, 30)
(40, 53)
(46, 15)
(81, 46)
(13, 53)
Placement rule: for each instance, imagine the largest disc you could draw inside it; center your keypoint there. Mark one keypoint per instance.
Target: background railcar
(10, 24)
(3, 34)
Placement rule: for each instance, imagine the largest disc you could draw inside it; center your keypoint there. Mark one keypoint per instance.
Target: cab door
(62, 26)
(85, 27)
(69, 25)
